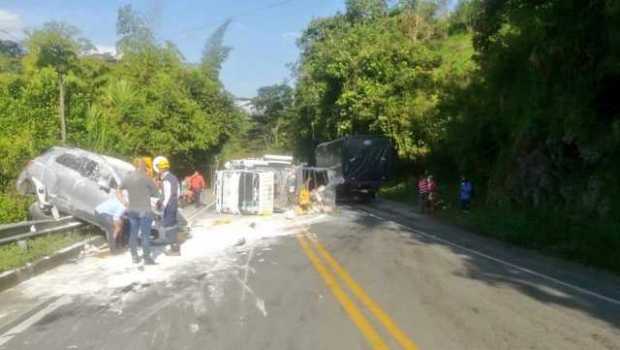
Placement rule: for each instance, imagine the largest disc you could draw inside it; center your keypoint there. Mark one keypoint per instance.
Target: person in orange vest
(197, 185)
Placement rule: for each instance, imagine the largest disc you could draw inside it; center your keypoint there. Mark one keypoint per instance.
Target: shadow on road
(558, 282)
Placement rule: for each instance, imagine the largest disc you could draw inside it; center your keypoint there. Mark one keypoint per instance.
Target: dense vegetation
(518, 95)
(147, 102)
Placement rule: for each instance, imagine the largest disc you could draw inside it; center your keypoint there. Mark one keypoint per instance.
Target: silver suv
(73, 181)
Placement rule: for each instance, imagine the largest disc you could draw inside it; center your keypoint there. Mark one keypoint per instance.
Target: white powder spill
(194, 327)
(260, 305)
(114, 281)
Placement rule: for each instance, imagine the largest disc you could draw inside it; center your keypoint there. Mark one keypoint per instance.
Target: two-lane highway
(353, 280)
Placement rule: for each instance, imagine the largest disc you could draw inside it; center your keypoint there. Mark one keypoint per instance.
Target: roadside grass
(403, 191)
(13, 207)
(13, 256)
(589, 242)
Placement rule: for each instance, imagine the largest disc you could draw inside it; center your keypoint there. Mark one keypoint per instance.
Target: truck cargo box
(363, 162)
(244, 191)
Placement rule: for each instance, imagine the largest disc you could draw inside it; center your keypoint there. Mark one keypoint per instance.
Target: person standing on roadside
(168, 203)
(186, 191)
(140, 188)
(465, 193)
(111, 213)
(422, 193)
(197, 185)
(433, 196)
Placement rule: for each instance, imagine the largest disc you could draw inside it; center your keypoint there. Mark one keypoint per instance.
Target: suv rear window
(70, 161)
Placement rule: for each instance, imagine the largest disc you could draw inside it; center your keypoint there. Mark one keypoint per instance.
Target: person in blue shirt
(465, 193)
(110, 214)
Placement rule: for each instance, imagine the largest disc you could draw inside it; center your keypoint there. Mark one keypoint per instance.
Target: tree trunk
(61, 108)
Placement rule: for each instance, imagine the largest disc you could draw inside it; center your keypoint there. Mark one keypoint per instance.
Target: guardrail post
(22, 244)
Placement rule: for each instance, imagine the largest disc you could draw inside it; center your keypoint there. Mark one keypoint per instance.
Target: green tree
(57, 45)
(464, 16)
(215, 52)
(367, 78)
(133, 31)
(274, 108)
(10, 54)
(359, 10)
(162, 104)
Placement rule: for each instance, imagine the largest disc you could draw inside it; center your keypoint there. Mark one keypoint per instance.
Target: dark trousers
(169, 234)
(422, 201)
(465, 202)
(196, 194)
(140, 223)
(107, 223)
(169, 226)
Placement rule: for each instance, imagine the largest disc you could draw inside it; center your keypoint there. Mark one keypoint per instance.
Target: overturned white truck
(244, 192)
(270, 184)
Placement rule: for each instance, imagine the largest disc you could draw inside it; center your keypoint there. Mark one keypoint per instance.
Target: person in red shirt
(432, 193)
(197, 185)
(422, 193)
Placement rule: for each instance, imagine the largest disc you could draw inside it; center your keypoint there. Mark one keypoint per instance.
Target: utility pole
(61, 109)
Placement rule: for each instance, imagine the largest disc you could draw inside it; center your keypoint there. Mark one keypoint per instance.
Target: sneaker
(175, 250)
(149, 261)
(135, 259)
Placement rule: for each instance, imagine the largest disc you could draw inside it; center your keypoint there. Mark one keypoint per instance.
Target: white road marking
(503, 262)
(27, 323)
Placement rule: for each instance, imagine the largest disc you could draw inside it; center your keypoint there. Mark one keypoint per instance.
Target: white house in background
(245, 104)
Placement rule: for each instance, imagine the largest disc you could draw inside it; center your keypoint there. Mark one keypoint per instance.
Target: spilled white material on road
(114, 281)
(194, 327)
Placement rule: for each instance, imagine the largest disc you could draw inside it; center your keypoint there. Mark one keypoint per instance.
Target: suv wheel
(37, 213)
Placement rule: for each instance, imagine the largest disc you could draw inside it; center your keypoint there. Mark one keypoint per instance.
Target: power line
(266, 7)
(237, 15)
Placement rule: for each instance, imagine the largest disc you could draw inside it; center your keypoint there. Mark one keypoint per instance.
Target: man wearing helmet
(168, 204)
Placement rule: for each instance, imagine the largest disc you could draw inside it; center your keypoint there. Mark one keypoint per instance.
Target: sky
(262, 34)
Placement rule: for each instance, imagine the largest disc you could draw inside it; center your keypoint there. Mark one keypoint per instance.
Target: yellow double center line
(307, 243)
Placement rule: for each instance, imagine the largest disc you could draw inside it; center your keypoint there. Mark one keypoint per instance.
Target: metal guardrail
(27, 229)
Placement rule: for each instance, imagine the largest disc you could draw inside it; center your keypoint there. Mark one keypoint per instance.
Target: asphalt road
(353, 280)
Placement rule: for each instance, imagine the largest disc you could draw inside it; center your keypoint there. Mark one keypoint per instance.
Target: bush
(403, 191)
(13, 208)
